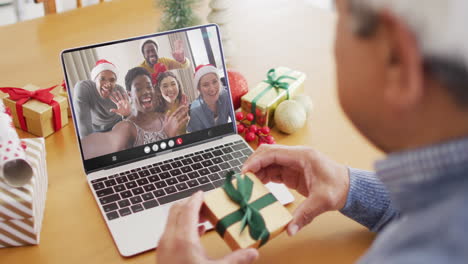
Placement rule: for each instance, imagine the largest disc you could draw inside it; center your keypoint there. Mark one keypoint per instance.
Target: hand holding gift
(244, 212)
(180, 243)
(324, 182)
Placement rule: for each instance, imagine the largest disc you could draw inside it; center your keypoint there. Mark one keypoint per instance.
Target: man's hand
(324, 182)
(124, 108)
(179, 54)
(180, 243)
(173, 122)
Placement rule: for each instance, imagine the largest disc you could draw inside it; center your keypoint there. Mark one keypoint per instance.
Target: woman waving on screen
(212, 107)
(148, 123)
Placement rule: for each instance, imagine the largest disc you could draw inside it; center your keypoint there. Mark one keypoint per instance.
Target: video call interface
(130, 94)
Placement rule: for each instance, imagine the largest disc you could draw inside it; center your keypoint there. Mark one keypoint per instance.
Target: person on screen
(150, 48)
(100, 103)
(148, 122)
(402, 80)
(169, 89)
(212, 107)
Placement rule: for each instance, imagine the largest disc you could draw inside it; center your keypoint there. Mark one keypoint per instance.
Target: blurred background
(13, 11)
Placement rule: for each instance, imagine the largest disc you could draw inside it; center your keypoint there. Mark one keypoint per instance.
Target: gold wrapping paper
(217, 205)
(22, 209)
(267, 103)
(59, 90)
(38, 115)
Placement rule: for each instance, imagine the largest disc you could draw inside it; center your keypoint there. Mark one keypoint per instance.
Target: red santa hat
(203, 70)
(103, 65)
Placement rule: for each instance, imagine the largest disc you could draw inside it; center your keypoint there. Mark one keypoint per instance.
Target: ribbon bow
(249, 213)
(275, 83)
(21, 96)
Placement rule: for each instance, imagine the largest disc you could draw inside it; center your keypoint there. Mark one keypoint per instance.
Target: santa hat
(103, 65)
(203, 70)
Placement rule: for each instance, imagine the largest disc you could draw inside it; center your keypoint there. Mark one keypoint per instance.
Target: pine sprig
(178, 14)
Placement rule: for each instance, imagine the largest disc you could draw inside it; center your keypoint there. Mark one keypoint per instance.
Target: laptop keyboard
(143, 188)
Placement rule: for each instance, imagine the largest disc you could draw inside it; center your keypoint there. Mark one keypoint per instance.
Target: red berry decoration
(253, 129)
(269, 139)
(249, 137)
(250, 117)
(240, 128)
(239, 116)
(265, 130)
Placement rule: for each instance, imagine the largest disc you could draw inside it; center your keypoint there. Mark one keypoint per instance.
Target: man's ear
(404, 84)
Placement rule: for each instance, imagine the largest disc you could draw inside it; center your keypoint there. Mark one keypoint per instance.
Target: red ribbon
(64, 86)
(21, 96)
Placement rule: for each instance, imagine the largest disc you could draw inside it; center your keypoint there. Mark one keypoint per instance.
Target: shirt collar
(414, 173)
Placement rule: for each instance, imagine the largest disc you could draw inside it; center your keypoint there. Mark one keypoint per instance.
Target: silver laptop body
(131, 186)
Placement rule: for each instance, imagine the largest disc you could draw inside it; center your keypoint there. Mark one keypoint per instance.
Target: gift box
(22, 209)
(35, 110)
(62, 91)
(281, 84)
(244, 212)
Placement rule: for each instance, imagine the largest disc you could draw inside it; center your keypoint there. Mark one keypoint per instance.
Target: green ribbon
(248, 214)
(273, 83)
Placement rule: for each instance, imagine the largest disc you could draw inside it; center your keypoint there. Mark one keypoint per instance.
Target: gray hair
(442, 65)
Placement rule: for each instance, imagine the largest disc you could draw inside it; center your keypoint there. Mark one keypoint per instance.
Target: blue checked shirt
(417, 201)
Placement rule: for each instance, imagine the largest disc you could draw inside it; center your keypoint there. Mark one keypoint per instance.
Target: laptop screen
(143, 96)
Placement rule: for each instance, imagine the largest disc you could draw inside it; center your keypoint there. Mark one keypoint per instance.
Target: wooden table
(266, 34)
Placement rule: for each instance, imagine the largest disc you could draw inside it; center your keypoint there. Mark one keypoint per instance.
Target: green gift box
(281, 84)
(244, 212)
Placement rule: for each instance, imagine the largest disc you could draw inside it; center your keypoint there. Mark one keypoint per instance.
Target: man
(413, 61)
(149, 49)
(100, 103)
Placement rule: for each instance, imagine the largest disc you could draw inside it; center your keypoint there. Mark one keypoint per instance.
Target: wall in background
(31, 10)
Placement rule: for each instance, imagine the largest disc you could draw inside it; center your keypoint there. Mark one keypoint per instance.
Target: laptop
(135, 185)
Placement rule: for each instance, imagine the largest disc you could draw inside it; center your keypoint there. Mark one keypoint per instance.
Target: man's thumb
(303, 215)
(241, 256)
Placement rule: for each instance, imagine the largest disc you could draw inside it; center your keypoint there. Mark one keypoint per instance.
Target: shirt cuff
(186, 63)
(368, 201)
